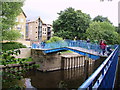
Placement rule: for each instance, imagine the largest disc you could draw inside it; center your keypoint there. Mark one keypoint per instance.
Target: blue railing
(104, 76)
(70, 43)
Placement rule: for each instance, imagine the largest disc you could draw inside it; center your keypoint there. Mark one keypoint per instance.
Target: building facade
(46, 32)
(21, 24)
(36, 30)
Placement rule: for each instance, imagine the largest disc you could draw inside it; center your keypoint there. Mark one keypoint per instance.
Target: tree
(118, 29)
(54, 39)
(103, 30)
(10, 10)
(71, 24)
(11, 35)
(101, 19)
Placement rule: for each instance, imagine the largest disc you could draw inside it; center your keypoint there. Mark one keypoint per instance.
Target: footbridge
(90, 50)
(104, 76)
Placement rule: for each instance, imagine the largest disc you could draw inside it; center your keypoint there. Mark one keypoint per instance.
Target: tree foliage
(101, 19)
(118, 29)
(103, 30)
(11, 35)
(10, 10)
(71, 23)
(54, 39)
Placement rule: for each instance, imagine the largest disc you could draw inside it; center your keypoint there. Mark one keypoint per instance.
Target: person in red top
(103, 46)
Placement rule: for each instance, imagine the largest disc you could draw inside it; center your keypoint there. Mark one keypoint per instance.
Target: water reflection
(71, 78)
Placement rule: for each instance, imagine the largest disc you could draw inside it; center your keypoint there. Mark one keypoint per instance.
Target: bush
(54, 39)
(12, 45)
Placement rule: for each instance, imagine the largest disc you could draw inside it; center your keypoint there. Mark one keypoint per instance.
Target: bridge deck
(86, 52)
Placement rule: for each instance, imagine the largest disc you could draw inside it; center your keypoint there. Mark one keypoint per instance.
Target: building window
(21, 20)
(16, 19)
(18, 27)
(21, 26)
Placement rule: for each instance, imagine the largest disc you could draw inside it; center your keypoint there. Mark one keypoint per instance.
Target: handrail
(88, 82)
(71, 43)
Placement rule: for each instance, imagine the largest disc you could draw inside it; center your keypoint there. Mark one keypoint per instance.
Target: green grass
(64, 52)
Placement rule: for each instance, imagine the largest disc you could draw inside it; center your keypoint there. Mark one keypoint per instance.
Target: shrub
(54, 39)
(12, 45)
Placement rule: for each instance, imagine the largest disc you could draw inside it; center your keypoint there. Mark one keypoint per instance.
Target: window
(18, 27)
(21, 20)
(21, 26)
(16, 19)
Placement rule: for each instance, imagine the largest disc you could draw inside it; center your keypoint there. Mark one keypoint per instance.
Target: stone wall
(55, 61)
(47, 62)
(25, 53)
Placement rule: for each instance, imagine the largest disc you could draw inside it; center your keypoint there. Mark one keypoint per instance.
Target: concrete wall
(54, 61)
(25, 53)
(47, 62)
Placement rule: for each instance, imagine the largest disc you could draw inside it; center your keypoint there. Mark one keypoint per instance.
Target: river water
(71, 78)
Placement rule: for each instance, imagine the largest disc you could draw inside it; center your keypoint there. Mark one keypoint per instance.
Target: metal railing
(70, 43)
(104, 76)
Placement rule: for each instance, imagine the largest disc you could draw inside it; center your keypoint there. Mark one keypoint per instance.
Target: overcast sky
(48, 9)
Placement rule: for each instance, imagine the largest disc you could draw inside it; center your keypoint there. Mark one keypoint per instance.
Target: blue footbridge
(104, 76)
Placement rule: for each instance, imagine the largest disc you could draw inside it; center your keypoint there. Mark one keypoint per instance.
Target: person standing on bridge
(42, 44)
(103, 46)
(109, 51)
(88, 43)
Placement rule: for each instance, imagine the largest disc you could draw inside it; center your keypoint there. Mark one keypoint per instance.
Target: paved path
(85, 50)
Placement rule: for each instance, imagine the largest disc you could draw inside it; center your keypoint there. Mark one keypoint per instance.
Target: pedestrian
(109, 51)
(42, 44)
(88, 40)
(88, 43)
(103, 46)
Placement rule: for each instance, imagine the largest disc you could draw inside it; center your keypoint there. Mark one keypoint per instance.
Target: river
(71, 78)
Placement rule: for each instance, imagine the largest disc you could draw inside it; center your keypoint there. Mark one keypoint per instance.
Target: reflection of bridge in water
(72, 78)
(100, 78)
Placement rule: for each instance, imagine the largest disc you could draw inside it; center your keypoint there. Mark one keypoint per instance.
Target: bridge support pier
(54, 61)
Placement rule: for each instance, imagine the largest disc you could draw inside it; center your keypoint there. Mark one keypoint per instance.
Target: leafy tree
(101, 19)
(118, 29)
(54, 39)
(103, 30)
(11, 35)
(10, 10)
(71, 24)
